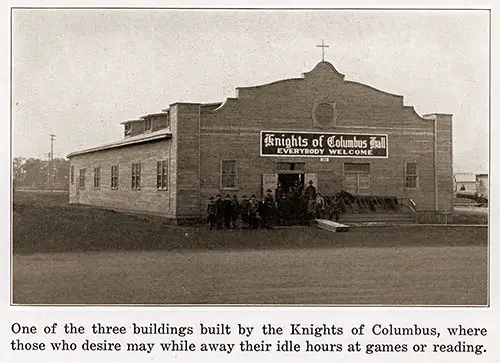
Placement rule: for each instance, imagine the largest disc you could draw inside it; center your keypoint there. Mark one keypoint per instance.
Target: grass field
(78, 255)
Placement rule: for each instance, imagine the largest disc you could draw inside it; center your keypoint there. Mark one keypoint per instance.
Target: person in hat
(244, 211)
(211, 213)
(219, 212)
(271, 207)
(252, 212)
(310, 191)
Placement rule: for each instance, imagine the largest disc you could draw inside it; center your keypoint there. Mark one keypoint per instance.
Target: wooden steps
(331, 226)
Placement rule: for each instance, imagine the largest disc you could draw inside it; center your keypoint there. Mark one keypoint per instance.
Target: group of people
(230, 213)
(298, 205)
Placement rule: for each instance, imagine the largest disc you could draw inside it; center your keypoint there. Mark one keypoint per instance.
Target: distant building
(465, 183)
(339, 134)
(482, 185)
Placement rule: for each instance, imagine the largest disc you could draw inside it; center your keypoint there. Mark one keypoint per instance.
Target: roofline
(129, 121)
(154, 114)
(122, 143)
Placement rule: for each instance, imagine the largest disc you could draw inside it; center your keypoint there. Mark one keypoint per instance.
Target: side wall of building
(146, 199)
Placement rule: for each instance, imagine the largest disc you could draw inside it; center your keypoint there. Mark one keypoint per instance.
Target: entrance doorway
(288, 180)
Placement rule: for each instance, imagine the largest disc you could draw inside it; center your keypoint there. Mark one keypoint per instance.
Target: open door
(269, 181)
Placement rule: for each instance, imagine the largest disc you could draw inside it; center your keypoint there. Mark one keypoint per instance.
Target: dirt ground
(359, 275)
(78, 255)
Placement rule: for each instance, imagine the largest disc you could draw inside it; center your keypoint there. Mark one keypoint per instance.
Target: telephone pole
(48, 170)
(51, 162)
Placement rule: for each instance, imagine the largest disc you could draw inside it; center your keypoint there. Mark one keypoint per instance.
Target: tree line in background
(34, 174)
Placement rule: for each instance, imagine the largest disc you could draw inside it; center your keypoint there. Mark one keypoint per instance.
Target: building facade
(340, 134)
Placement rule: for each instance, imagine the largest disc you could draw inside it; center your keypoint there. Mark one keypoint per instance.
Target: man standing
(271, 206)
(211, 213)
(252, 212)
(320, 206)
(244, 211)
(310, 191)
(219, 212)
(337, 207)
(311, 208)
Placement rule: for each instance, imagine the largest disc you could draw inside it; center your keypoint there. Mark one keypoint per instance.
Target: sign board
(323, 144)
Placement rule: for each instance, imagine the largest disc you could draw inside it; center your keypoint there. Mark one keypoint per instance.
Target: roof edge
(130, 141)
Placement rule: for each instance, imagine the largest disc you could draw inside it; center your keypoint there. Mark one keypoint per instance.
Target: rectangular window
(162, 175)
(82, 178)
(148, 125)
(114, 177)
(411, 175)
(228, 174)
(136, 176)
(72, 174)
(128, 130)
(97, 177)
(357, 178)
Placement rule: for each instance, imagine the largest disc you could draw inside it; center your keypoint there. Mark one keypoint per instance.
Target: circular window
(324, 114)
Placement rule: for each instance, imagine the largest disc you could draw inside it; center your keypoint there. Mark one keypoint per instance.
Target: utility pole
(51, 162)
(48, 171)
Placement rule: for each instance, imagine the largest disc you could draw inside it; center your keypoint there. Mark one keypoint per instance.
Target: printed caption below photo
(235, 338)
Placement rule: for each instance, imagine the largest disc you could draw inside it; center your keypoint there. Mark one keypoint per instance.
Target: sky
(79, 73)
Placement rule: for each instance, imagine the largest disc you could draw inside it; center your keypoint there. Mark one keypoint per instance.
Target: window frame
(114, 177)
(416, 176)
(72, 174)
(127, 129)
(97, 177)
(81, 178)
(136, 176)
(162, 175)
(148, 124)
(223, 174)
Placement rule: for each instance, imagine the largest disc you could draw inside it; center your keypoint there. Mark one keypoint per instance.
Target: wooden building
(340, 134)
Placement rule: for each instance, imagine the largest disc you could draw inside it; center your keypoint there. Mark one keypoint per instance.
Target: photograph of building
(321, 127)
(250, 157)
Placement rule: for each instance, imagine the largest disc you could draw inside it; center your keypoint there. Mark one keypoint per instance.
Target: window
(97, 177)
(128, 129)
(82, 178)
(162, 175)
(411, 175)
(136, 176)
(114, 177)
(228, 174)
(357, 178)
(148, 124)
(72, 174)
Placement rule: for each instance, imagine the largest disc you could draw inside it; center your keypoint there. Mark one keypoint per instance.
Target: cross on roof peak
(323, 46)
